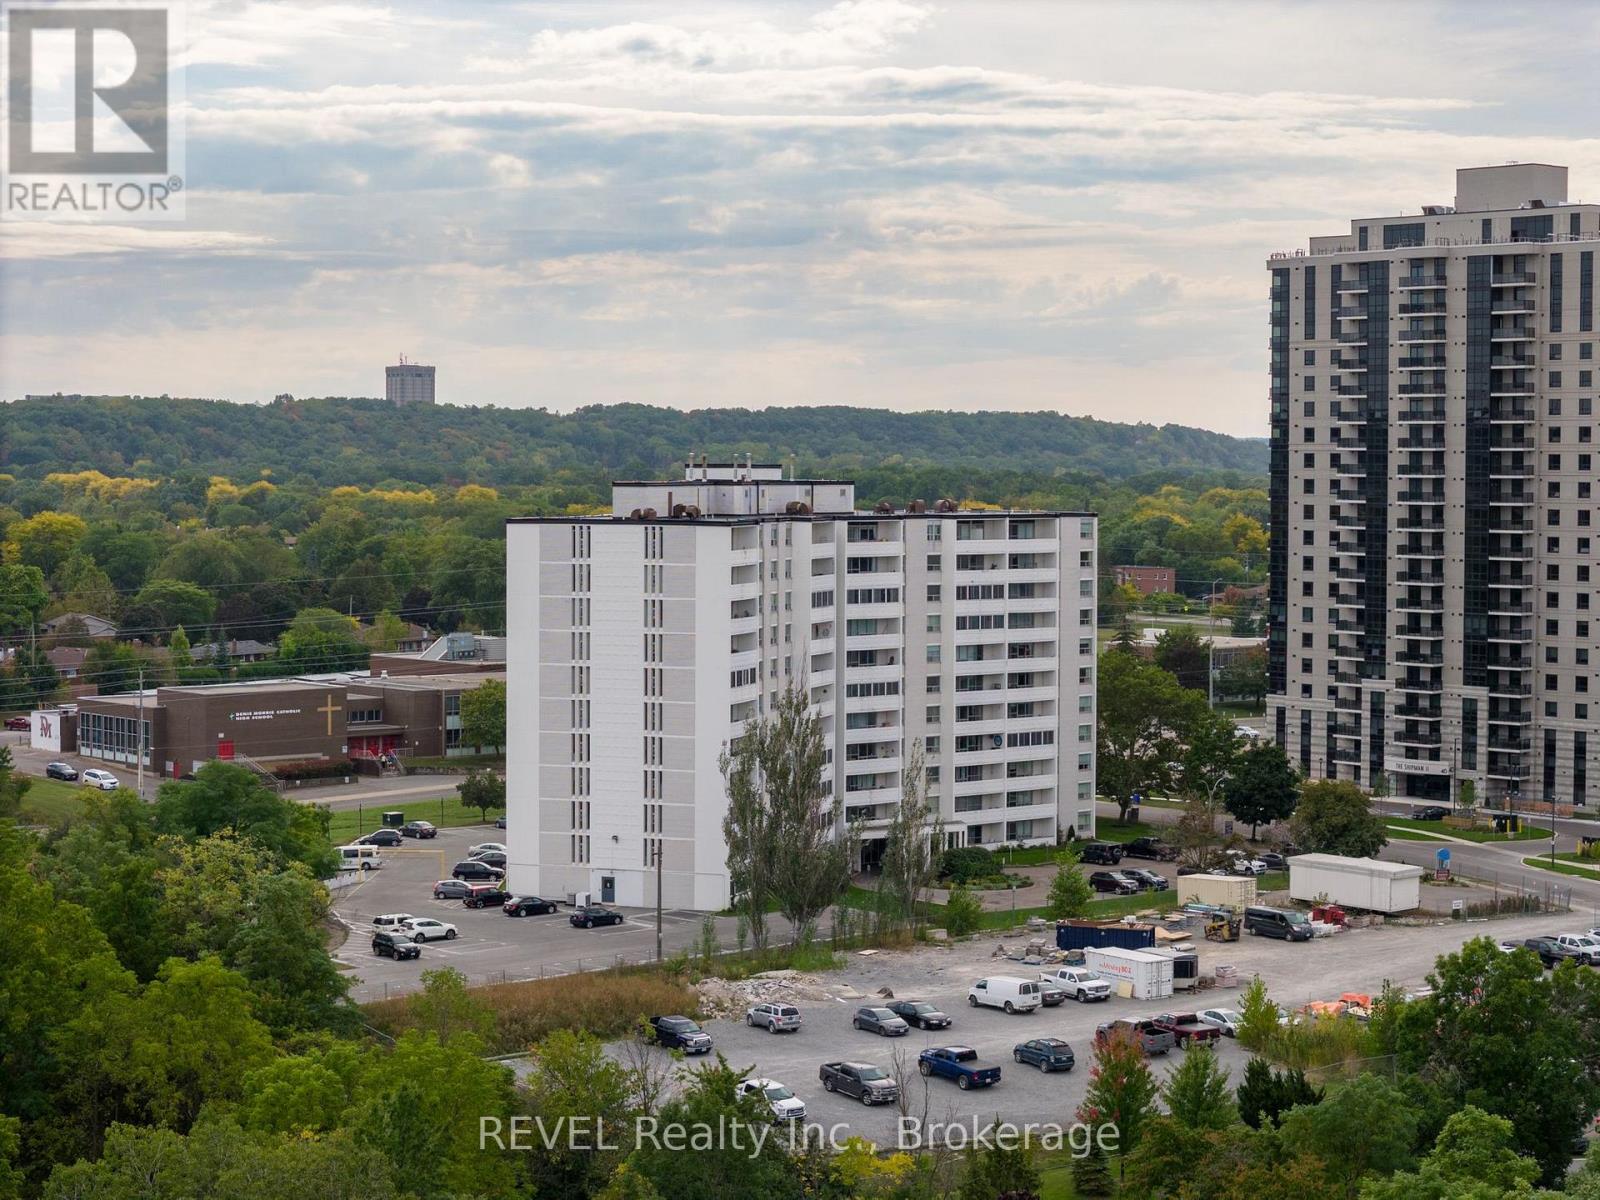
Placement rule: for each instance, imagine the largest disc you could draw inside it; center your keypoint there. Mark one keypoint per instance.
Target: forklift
(1223, 928)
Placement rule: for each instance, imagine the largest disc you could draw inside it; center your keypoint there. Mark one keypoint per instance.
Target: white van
(1005, 991)
(359, 858)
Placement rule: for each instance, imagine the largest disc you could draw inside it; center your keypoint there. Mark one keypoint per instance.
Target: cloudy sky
(879, 202)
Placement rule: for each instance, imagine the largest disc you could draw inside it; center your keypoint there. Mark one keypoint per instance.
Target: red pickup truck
(1186, 1028)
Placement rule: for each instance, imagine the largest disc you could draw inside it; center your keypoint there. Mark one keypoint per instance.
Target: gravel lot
(1357, 960)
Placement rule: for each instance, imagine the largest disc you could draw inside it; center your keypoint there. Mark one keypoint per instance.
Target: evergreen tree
(997, 1171)
(1197, 1093)
(1070, 892)
(1091, 1174)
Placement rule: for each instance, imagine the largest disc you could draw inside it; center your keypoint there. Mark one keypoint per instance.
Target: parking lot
(1356, 960)
(492, 946)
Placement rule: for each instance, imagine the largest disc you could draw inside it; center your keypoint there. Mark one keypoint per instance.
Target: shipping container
(1237, 892)
(1140, 974)
(1363, 883)
(1185, 968)
(1081, 935)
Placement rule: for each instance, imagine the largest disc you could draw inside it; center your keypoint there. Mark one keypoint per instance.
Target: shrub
(605, 1003)
(313, 768)
(962, 913)
(964, 864)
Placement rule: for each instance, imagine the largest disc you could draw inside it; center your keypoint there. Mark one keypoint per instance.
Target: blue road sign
(1442, 854)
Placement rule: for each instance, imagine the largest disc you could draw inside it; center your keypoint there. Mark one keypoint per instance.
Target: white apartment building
(1433, 536)
(641, 643)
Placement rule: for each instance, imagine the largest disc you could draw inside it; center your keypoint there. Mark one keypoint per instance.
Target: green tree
(164, 603)
(45, 540)
(282, 951)
(995, 1171)
(573, 1080)
(483, 715)
(1473, 1159)
(115, 667)
(1185, 655)
(1343, 1133)
(1258, 1016)
(1262, 788)
(963, 911)
(1499, 1033)
(1336, 817)
(11, 1176)
(319, 639)
(1091, 1173)
(1143, 717)
(1211, 752)
(178, 648)
(225, 796)
(1070, 892)
(911, 841)
(1197, 1093)
(1245, 676)
(483, 790)
(385, 633)
(302, 1093)
(781, 825)
(446, 1007)
(1265, 1094)
(1121, 1090)
(22, 598)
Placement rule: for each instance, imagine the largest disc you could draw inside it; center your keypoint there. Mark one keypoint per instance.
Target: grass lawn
(52, 801)
(347, 824)
(1407, 835)
(462, 762)
(1564, 865)
(1437, 829)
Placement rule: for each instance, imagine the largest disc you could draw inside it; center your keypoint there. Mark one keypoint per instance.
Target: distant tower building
(408, 383)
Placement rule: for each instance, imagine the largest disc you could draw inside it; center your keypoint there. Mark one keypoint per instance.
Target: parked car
(18, 724)
(1082, 984)
(418, 829)
(60, 770)
(779, 1100)
(1287, 924)
(500, 823)
(774, 1017)
(959, 1063)
(1048, 1054)
(474, 871)
(426, 929)
(391, 920)
(528, 906)
(1150, 1038)
(1106, 854)
(1239, 864)
(590, 915)
(920, 1014)
(1187, 1028)
(395, 944)
(387, 838)
(862, 1081)
(451, 889)
(1149, 880)
(1225, 1019)
(104, 780)
(679, 1033)
(484, 847)
(1429, 812)
(1273, 861)
(1005, 991)
(1186, 869)
(483, 895)
(1051, 994)
(492, 858)
(1583, 947)
(871, 1019)
(1551, 952)
(1150, 847)
(1114, 882)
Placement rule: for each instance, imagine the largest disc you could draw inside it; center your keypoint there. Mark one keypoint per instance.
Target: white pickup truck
(1082, 984)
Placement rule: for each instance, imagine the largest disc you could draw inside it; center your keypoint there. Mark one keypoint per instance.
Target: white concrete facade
(1432, 599)
(640, 647)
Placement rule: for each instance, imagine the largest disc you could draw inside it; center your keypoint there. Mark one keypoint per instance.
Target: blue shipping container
(1086, 935)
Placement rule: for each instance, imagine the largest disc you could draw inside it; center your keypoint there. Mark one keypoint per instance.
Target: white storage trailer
(1141, 974)
(1364, 883)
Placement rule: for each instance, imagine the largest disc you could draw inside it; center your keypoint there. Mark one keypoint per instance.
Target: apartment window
(1555, 379)
(934, 652)
(935, 562)
(934, 684)
(935, 531)
(1311, 358)
(1309, 384)
(933, 622)
(934, 593)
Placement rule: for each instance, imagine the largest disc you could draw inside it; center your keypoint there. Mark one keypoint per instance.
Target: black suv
(419, 829)
(1149, 847)
(394, 945)
(1113, 881)
(380, 837)
(1107, 854)
(1551, 952)
(483, 897)
(594, 914)
(477, 872)
(1148, 879)
(919, 1014)
(525, 906)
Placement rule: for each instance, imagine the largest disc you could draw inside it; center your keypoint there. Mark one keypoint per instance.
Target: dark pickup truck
(1149, 847)
(959, 1063)
(1151, 1038)
(1186, 1028)
(865, 1082)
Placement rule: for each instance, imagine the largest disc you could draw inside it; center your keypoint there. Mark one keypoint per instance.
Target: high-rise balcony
(1512, 304)
(1346, 755)
(1516, 497)
(1357, 338)
(1419, 633)
(1418, 685)
(1350, 389)
(1425, 470)
(1416, 575)
(1350, 313)
(1415, 737)
(1513, 362)
(1427, 306)
(1348, 495)
(1510, 662)
(1428, 387)
(1509, 608)
(1356, 441)
(1509, 743)
(1435, 279)
(1352, 362)
(1350, 285)
(1409, 604)
(1420, 414)
(1513, 331)
(1511, 636)
(1349, 600)
(1513, 279)
(1421, 492)
(1412, 711)
(1506, 437)
(1506, 689)
(1420, 550)
(1341, 651)
(1416, 361)
(1511, 389)
(1420, 336)
(1420, 658)
(1419, 523)
(1348, 469)
(1519, 554)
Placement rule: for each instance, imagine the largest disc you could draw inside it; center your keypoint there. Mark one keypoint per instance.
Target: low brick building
(1149, 580)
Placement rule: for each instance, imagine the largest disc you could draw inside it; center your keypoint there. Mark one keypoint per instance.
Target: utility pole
(140, 740)
(1211, 645)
